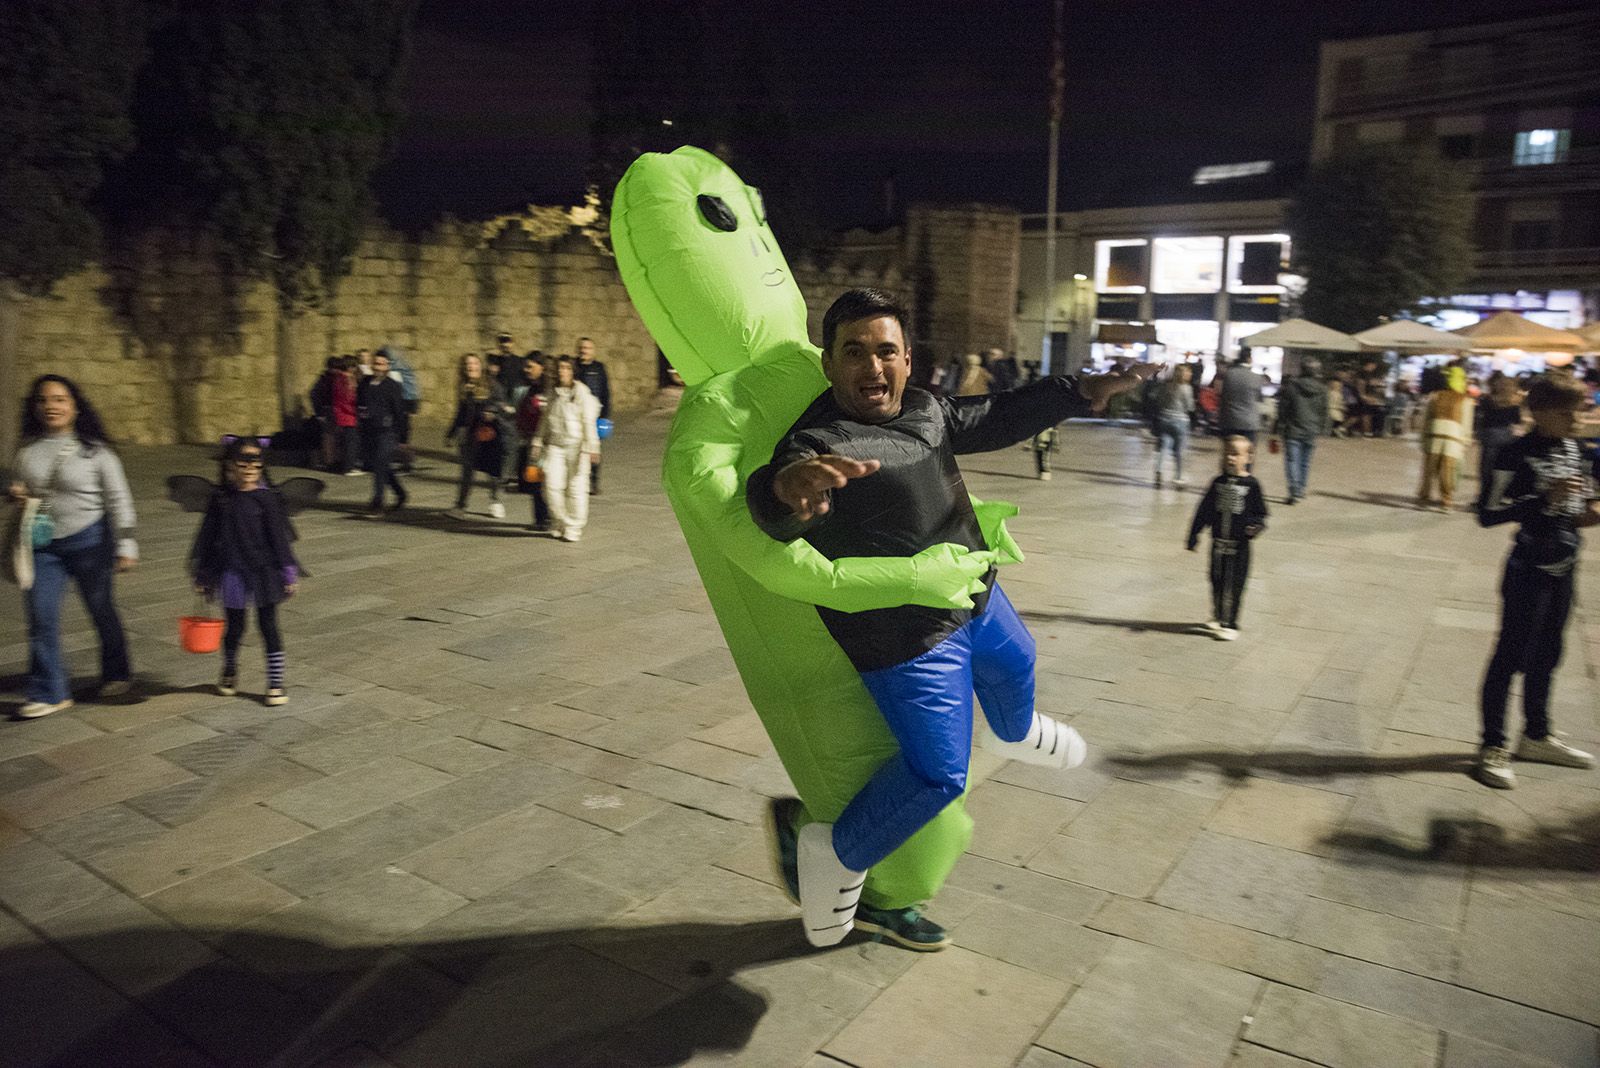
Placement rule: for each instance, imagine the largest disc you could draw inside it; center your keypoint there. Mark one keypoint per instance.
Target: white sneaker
(1211, 627)
(497, 510)
(1553, 750)
(1047, 743)
(570, 535)
(36, 709)
(1179, 483)
(274, 698)
(829, 891)
(114, 688)
(1044, 476)
(1227, 634)
(1494, 768)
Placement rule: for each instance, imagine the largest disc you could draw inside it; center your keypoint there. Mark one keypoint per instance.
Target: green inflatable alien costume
(728, 315)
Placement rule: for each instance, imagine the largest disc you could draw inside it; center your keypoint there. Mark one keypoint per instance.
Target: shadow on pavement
(83, 690)
(1135, 625)
(1382, 500)
(434, 519)
(1571, 847)
(639, 996)
(1299, 762)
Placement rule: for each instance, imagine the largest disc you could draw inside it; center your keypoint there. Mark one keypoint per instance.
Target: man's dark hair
(855, 304)
(1555, 392)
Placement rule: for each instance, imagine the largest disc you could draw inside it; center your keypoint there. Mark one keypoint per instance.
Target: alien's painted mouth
(772, 278)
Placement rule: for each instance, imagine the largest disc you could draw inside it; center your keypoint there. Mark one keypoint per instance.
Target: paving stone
(1221, 943)
(1142, 1005)
(215, 840)
(616, 808)
(126, 944)
(101, 829)
(1013, 824)
(705, 761)
(356, 792)
(691, 791)
(1273, 813)
(742, 733)
(336, 752)
(1132, 872)
(1463, 1052)
(1529, 1031)
(1551, 962)
(1069, 901)
(1032, 940)
(220, 900)
(1380, 938)
(483, 795)
(1337, 1034)
(952, 1008)
(37, 882)
(318, 861)
(1243, 883)
(24, 771)
(481, 860)
(241, 784)
(656, 853)
(110, 748)
(72, 795)
(38, 735)
(1250, 1056)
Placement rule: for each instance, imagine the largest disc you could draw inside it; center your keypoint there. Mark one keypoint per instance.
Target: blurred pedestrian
(322, 408)
(1498, 422)
(1302, 418)
(1446, 424)
(382, 407)
(1174, 404)
(975, 380)
(346, 432)
(478, 430)
(530, 407)
(592, 374)
(83, 530)
(1239, 413)
(565, 445)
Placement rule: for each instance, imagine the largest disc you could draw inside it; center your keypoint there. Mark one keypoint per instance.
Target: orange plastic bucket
(199, 634)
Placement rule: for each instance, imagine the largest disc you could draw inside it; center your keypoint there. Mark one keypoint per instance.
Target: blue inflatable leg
(927, 703)
(1003, 656)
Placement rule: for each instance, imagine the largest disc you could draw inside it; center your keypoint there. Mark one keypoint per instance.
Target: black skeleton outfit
(1235, 511)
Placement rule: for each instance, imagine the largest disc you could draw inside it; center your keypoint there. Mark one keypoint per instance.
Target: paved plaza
(513, 812)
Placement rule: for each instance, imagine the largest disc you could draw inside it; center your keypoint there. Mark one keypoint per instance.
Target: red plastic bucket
(199, 634)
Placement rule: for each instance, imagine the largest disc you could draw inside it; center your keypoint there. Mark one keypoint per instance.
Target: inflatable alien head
(702, 266)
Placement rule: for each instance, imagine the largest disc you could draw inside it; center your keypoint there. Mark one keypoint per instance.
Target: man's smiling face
(868, 367)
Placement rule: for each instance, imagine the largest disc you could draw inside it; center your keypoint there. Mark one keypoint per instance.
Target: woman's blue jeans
(88, 558)
(1297, 464)
(1172, 435)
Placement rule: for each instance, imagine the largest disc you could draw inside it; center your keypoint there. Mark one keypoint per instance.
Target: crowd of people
(523, 423)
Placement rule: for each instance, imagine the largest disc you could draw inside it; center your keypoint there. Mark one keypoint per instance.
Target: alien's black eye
(717, 213)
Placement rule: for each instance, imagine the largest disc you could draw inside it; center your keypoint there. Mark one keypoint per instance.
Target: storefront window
(1121, 266)
(1255, 261)
(1187, 264)
(1535, 147)
(1188, 335)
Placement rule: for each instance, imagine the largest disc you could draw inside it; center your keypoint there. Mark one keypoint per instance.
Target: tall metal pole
(1058, 87)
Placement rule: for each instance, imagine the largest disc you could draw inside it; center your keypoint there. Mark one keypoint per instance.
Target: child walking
(242, 556)
(1235, 510)
(1538, 483)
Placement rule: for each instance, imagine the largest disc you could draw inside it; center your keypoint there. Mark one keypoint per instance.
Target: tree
(66, 71)
(1377, 231)
(263, 120)
(694, 72)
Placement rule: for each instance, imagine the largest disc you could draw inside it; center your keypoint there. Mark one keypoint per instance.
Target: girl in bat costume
(242, 555)
(1236, 511)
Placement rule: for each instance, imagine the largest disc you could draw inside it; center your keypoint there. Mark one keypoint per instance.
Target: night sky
(949, 96)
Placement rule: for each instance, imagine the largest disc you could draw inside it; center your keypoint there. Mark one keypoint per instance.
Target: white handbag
(16, 545)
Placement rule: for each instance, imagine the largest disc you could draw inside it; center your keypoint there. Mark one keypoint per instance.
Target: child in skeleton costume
(1538, 482)
(1235, 510)
(242, 555)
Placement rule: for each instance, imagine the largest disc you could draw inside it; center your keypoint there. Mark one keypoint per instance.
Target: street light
(1058, 86)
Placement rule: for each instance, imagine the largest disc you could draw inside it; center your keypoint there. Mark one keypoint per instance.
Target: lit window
(1121, 266)
(1187, 264)
(1541, 146)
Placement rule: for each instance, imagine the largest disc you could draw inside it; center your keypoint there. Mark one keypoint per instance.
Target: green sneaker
(784, 812)
(907, 927)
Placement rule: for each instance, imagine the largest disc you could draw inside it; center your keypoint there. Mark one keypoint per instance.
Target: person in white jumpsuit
(567, 442)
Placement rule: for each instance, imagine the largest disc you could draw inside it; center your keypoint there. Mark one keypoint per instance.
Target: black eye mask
(715, 211)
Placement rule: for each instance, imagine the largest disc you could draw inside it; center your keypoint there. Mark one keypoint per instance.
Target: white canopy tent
(1302, 334)
(1406, 336)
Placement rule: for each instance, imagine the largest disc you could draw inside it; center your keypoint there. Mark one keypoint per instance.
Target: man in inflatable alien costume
(882, 819)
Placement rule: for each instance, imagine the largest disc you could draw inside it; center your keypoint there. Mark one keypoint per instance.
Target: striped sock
(230, 663)
(275, 662)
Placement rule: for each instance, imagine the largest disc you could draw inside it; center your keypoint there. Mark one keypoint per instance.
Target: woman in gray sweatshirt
(85, 533)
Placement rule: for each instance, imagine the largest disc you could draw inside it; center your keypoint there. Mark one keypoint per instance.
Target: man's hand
(1099, 389)
(803, 486)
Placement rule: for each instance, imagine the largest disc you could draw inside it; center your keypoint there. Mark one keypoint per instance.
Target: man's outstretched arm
(1000, 420)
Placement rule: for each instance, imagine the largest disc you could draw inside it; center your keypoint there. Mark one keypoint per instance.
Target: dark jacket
(469, 413)
(1240, 391)
(1547, 537)
(915, 500)
(1233, 509)
(1303, 409)
(247, 533)
(381, 405)
(593, 374)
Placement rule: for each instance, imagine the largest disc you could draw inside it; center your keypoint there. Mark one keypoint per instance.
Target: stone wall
(170, 349)
(173, 350)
